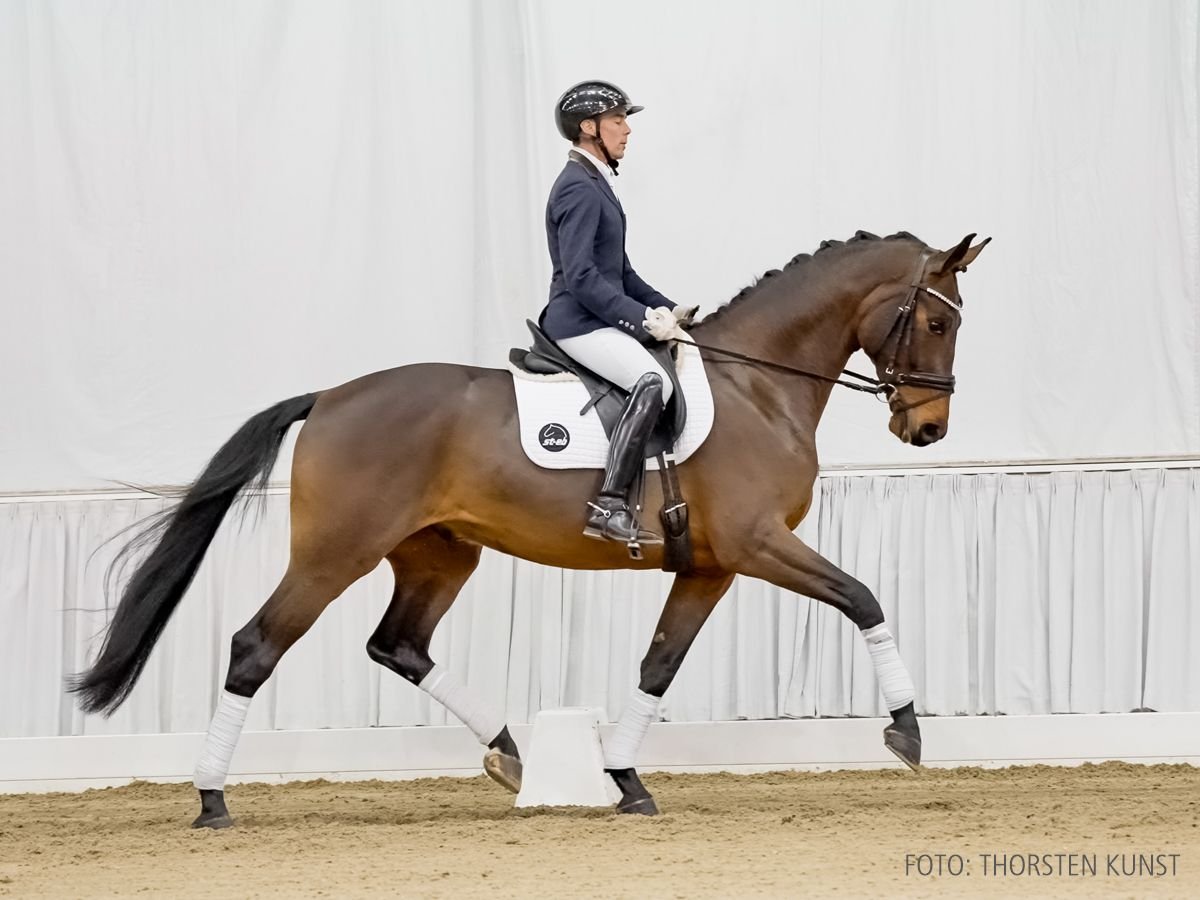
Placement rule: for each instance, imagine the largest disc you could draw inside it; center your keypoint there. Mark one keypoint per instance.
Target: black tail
(181, 537)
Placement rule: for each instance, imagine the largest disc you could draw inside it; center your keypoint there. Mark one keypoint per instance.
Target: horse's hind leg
(431, 568)
(256, 649)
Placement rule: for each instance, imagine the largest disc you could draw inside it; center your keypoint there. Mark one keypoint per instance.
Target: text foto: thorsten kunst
(1041, 865)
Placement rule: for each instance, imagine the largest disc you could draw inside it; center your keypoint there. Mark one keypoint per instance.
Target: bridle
(902, 328)
(902, 331)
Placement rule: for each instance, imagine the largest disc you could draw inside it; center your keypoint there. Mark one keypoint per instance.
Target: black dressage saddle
(545, 358)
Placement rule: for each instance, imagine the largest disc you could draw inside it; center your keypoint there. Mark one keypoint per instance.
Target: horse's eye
(937, 326)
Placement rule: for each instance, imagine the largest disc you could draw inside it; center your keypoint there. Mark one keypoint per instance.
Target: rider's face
(614, 133)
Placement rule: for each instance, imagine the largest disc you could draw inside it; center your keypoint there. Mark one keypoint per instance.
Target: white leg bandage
(894, 680)
(223, 735)
(621, 751)
(441, 685)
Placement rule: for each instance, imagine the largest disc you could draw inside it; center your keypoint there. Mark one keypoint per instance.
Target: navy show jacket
(593, 285)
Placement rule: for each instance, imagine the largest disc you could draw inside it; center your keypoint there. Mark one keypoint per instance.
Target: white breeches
(616, 356)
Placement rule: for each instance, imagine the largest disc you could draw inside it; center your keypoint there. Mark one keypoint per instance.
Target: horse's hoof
(213, 813)
(206, 821)
(644, 807)
(635, 798)
(907, 747)
(503, 769)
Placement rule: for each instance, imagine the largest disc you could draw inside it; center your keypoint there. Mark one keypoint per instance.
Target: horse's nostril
(931, 432)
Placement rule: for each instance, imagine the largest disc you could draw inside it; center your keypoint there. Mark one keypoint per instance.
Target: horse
(421, 466)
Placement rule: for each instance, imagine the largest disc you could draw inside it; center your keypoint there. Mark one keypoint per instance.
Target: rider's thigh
(615, 356)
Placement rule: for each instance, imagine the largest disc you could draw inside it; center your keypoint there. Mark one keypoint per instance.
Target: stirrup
(634, 544)
(598, 528)
(648, 538)
(644, 538)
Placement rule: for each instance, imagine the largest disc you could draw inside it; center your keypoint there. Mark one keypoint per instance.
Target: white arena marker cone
(565, 764)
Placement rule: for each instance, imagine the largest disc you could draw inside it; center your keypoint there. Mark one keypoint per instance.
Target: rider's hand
(660, 323)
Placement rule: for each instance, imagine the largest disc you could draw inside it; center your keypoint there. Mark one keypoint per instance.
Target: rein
(870, 386)
(902, 328)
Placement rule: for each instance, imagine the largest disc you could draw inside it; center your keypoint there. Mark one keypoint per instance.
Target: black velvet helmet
(588, 99)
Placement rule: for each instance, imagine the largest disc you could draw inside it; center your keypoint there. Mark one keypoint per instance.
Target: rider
(600, 312)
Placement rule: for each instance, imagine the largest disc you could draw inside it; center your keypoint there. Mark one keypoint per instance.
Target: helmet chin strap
(598, 142)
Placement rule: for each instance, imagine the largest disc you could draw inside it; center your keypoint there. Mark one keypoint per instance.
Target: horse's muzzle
(928, 433)
(922, 435)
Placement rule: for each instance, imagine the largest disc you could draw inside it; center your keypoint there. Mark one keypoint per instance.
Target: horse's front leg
(778, 556)
(691, 600)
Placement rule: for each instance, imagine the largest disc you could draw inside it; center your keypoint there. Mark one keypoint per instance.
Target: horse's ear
(957, 258)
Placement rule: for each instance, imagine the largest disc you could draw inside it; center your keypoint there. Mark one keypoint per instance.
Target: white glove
(660, 323)
(685, 314)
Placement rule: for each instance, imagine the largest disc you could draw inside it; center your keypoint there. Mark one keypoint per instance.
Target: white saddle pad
(555, 436)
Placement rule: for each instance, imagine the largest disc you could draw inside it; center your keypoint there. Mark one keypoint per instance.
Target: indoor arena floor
(840, 834)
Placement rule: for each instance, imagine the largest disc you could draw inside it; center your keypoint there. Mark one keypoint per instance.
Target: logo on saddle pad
(554, 437)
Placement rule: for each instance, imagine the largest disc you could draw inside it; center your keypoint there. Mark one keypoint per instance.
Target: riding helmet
(588, 99)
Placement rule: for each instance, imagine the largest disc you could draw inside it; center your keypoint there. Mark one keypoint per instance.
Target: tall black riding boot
(609, 517)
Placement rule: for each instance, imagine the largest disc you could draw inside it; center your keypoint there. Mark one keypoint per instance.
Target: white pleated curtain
(1008, 594)
(1060, 592)
(206, 208)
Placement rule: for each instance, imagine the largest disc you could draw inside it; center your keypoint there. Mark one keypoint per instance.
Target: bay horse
(421, 465)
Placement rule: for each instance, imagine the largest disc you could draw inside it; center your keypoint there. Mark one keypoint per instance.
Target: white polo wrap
(441, 685)
(894, 680)
(223, 734)
(620, 752)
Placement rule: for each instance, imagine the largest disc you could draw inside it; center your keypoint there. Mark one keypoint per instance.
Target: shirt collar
(601, 166)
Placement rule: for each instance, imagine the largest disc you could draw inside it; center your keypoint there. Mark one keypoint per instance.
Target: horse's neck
(805, 319)
(811, 325)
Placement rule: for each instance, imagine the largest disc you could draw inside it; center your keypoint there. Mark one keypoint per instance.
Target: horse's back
(409, 413)
(408, 395)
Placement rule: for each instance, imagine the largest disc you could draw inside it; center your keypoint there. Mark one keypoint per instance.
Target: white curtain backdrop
(1008, 594)
(208, 207)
